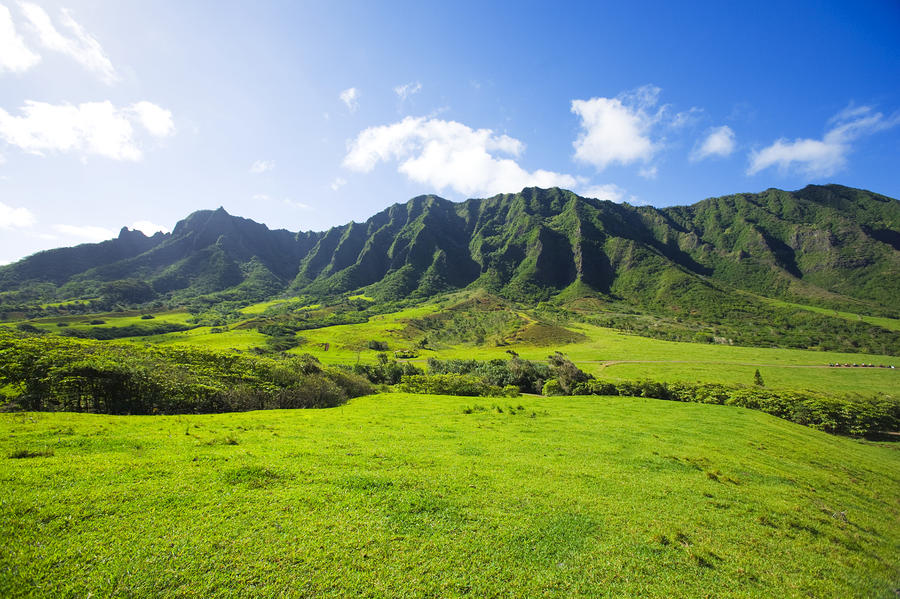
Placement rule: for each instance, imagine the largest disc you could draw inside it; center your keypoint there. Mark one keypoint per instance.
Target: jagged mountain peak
(821, 241)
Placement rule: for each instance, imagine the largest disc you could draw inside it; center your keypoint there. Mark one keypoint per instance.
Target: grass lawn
(401, 495)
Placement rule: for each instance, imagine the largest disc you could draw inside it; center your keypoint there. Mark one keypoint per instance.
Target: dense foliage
(453, 384)
(526, 375)
(55, 373)
(386, 371)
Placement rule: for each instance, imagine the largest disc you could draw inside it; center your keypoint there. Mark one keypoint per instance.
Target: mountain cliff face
(828, 245)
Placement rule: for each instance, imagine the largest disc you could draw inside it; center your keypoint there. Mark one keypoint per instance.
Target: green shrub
(511, 391)
(57, 373)
(552, 388)
(448, 384)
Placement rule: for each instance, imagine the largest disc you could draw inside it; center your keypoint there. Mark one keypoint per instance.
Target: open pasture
(404, 495)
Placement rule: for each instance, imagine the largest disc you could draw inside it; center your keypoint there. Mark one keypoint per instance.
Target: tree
(758, 379)
(567, 374)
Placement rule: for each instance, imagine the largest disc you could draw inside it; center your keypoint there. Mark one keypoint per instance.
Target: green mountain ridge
(830, 246)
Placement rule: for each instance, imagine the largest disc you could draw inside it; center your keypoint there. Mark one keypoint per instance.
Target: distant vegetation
(54, 373)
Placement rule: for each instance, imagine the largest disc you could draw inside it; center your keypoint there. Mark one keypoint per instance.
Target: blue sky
(304, 115)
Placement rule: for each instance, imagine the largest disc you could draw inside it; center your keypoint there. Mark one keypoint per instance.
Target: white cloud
(445, 154)
(14, 54)
(298, 205)
(261, 197)
(686, 118)
(826, 156)
(407, 89)
(15, 218)
(82, 47)
(90, 128)
(156, 120)
(608, 191)
(86, 232)
(648, 172)
(261, 166)
(617, 130)
(338, 183)
(350, 97)
(719, 142)
(149, 228)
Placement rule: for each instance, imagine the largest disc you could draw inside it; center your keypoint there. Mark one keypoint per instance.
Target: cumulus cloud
(15, 56)
(350, 97)
(718, 142)
(15, 218)
(261, 166)
(80, 46)
(148, 228)
(823, 157)
(448, 154)
(85, 232)
(156, 120)
(89, 128)
(617, 130)
(407, 89)
(607, 191)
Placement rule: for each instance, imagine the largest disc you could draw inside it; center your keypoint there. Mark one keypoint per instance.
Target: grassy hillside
(401, 495)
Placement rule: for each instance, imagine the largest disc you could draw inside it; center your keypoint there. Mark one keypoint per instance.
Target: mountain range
(831, 246)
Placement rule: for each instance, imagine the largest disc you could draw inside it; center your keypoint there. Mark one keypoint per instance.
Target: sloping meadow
(407, 495)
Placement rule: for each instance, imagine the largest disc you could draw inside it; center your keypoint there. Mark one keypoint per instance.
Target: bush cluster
(454, 384)
(56, 373)
(385, 372)
(525, 375)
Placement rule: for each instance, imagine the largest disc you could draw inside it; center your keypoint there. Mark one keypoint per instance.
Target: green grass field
(401, 495)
